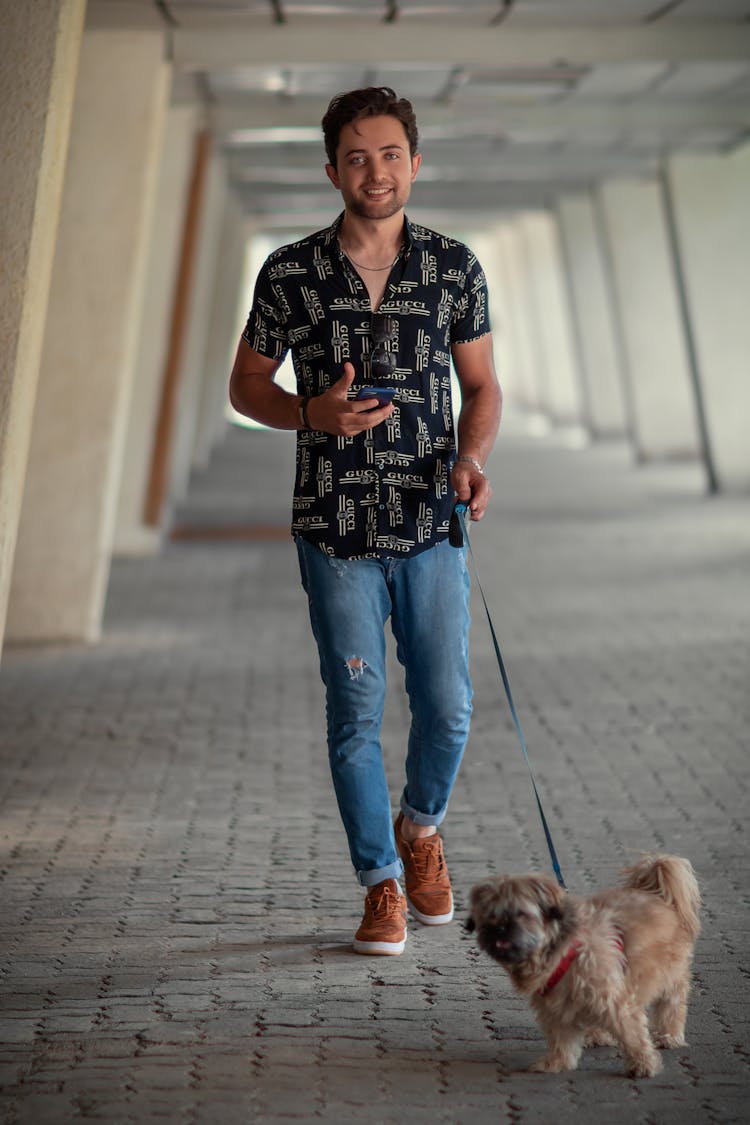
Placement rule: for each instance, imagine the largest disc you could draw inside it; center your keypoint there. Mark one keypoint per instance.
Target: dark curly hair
(374, 101)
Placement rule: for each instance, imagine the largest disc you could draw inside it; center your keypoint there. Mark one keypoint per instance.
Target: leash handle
(460, 509)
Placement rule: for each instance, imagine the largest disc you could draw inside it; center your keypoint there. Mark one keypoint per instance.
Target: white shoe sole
(383, 948)
(430, 919)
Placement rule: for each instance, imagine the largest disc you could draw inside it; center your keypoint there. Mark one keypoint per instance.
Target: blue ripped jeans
(426, 597)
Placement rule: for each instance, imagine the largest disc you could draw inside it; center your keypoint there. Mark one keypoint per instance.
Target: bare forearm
(253, 392)
(265, 401)
(479, 420)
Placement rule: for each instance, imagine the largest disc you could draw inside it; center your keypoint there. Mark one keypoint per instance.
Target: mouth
(505, 952)
(377, 193)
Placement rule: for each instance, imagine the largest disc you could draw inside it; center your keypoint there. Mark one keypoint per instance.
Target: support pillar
(552, 315)
(40, 51)
(523, 385)
(67, 522)
(133, 536)
(592, 308)
(710, 206)
(197, 330)
(223, 320)
(664, 419)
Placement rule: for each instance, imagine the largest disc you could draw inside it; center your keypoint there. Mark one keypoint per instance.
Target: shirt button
(382, 507)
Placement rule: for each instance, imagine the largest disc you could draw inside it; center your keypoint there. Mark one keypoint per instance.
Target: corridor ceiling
(517, 101)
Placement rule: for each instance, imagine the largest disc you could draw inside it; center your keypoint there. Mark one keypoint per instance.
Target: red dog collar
(562, 968)
(570, 957)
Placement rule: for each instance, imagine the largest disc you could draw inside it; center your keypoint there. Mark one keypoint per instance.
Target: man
(377, 303)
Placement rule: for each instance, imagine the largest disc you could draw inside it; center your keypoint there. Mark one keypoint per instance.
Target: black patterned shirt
(385, 492)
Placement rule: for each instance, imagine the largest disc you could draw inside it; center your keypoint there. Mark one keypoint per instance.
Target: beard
(384, 208)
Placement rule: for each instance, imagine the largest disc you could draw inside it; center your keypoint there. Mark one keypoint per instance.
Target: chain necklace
(373, 269)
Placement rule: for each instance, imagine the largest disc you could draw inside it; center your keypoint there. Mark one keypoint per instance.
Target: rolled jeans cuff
(393, 871)
(425, 819)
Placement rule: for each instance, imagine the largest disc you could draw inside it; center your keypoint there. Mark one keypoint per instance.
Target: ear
(416, 162)
(549, 895)
(333, 176)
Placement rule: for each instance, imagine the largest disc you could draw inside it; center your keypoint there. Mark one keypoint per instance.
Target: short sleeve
(471, 315)
(266, 328)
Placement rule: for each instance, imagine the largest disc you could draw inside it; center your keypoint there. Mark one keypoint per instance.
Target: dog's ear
(470, 925)
(550, 896)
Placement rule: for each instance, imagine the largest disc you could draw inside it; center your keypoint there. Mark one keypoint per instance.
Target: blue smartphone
(384, 395)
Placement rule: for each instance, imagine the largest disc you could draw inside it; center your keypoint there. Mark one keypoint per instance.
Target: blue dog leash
(457, 535)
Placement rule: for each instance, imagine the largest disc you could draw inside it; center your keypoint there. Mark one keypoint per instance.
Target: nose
(379, 170)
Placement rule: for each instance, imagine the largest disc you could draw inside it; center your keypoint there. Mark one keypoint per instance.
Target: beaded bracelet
(472, 461)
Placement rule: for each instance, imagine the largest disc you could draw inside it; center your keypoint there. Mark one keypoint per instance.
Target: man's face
(374, 169)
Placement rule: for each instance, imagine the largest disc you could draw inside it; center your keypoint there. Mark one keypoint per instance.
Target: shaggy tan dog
(592, 967)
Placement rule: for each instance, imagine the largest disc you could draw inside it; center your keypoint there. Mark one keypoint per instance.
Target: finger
(369, 406)
(480, 500)
(366, 419)
(345, 381)
(462, 484)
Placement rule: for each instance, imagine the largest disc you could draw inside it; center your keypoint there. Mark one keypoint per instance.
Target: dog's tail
(673, 879)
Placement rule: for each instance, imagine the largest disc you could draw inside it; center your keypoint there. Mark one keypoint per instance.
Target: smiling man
(373, 310)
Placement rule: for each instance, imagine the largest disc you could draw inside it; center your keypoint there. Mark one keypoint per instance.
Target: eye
(392, 155)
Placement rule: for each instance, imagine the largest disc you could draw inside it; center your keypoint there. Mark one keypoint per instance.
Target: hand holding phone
(384, 395)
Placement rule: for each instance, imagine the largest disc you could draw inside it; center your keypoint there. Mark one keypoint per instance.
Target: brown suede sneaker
(428, 886)
(383, 928)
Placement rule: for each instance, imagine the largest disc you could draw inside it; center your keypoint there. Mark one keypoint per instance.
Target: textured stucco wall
(67, 520)
(40, 49)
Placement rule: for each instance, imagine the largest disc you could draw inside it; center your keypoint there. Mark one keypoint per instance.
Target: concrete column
(194, 357)
(227, 296)
(67, 522)
(552, 314)
(488, 249)
(40, 50)
(522, 383)
(710, 196)
(591, 302)
(502, 327)
(656, 357)
(132, 535)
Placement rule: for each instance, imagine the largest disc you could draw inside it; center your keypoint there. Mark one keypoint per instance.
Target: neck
(567, 959)
(368, 237)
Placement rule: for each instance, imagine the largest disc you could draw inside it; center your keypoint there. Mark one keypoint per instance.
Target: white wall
(132, 535)
(201, 299)
(711, 202)
(40, 50)
(546, 292)
(592, 307)
(67, 521)
(664, 417)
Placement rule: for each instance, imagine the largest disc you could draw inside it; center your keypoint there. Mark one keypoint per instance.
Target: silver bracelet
(472, 461)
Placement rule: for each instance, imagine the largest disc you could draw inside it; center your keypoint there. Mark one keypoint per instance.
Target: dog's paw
(644, 1066)
(600, 1038)
(667, 1042)
(550, 1064)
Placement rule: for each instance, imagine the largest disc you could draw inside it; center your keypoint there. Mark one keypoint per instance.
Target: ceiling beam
(495, 118)
(236, 44)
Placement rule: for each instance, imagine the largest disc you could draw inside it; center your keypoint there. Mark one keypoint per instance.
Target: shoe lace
(384, 902)
(429, 860)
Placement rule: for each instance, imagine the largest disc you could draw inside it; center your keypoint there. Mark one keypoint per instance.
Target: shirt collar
(332, 237)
